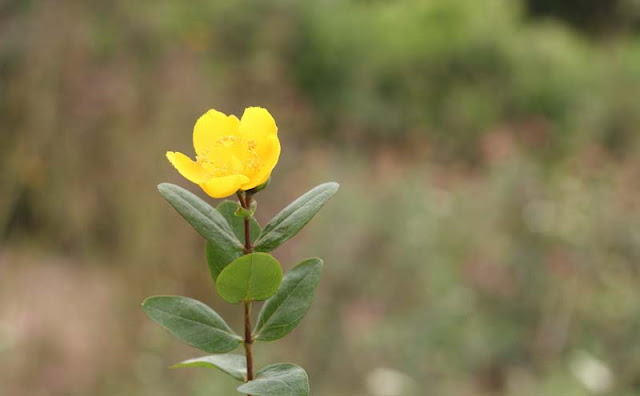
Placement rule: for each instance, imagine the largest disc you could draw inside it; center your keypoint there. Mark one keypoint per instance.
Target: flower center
(231, 155)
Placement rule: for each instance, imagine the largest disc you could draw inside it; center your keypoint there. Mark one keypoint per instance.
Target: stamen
(250, 164)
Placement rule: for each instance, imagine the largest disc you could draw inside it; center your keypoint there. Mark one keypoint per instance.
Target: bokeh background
(485, 241)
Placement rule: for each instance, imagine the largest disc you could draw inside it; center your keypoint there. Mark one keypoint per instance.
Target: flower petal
(257, 123)
(269, 152)
(221, 187)
(188, 168)
(234, 123)
(210, 127)
(221, 161)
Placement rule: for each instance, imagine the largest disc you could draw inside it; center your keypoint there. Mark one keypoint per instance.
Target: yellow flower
(231, 154)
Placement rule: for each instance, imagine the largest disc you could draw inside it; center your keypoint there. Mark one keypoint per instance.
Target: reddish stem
(245, 202)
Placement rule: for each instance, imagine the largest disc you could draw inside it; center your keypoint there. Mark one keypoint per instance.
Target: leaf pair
(224, 231)
(201, 327)
(280, 379)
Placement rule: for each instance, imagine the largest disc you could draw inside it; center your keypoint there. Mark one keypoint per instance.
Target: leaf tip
(331, 186)
(315, 261)
(164, 186)
(145, 302)
(149, 300)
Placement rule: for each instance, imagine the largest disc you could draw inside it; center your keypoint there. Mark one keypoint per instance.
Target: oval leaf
(228, 210)
(225, 246)
(291, 219)
(280, 379)
(192, 322)
(282, 312)
(255, 277)
(234, 365)
(214, 261)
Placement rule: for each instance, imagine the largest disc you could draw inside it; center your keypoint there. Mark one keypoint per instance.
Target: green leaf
(255, 277)
(282, 312)
(243, 213)
(192, 322)
(291, 219)
(224, 245)
(228, 210)
(280, 379)
(234, 365)
(215, 263)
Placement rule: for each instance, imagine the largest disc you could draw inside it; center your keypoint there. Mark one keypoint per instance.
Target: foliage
(450, 72)
(278, 380)
(192, 322)
(250, 277)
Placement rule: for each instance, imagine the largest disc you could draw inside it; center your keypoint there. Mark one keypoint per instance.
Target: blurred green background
(485, 241)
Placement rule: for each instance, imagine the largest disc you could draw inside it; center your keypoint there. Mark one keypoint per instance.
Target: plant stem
(248, 339)
(245, 202)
